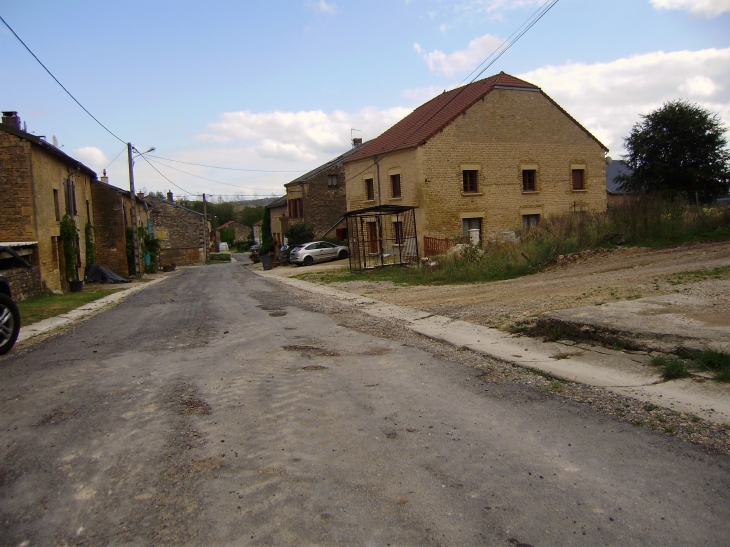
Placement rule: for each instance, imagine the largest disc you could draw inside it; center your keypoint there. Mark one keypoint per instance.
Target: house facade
(38, 185)
(277, 211)
(240, 231)
(319, 197)
(112, 212)
(493, 156)
(181, 231)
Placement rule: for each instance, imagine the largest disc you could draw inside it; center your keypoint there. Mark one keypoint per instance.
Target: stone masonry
(180, 231)
(504, 133)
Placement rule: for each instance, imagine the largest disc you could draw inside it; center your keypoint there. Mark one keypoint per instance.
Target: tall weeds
(643, 221)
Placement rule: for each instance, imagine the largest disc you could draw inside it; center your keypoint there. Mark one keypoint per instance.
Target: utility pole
(135, 221)
(206, 239)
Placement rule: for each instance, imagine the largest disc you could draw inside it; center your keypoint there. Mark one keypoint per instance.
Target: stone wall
(180, 231)
(323, 205)
(24, 282)
(110, 223)
(16, 189)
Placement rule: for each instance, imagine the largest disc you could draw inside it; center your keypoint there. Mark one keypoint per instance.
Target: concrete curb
(52, 323)
(595, 366)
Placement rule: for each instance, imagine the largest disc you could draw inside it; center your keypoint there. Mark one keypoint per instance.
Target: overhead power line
(226, 168)
(204, 178)
(59, 83)
(164, 177)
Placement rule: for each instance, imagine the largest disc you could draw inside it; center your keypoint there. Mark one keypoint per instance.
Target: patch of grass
(714, 361)
(694, 276)
(672, 366)
(39, 308)
(557, 386)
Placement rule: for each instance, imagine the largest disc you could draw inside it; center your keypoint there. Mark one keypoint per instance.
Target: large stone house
(319, 197)
(182, 232)
(240, 231)
(112, 212)
(38, 185)
(492, 156)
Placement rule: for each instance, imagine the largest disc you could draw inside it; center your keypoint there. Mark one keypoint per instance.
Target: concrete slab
(620, 372)
(661, 323)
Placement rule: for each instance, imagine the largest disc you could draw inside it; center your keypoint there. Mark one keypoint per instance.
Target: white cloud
(463, 60)
(420, 95)
(299, 136)
(91, 156)
(322, 6)
(706, 8)
(494, 6)
(608, 98)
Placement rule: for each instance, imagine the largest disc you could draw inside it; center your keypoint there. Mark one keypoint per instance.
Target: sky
(270, 90)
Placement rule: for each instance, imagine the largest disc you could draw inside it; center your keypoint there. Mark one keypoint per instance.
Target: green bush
(69, 237)
(672, 367)
(299, 232)
(220, 257)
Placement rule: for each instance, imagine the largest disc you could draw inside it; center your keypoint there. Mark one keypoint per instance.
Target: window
(398, 233)
(578, 179)
(470, 181)
(530, 221)
(295, 208)
(528, 180)
(395, 185)
(469, 224)
(331, 181)
(57, 204)
(369, 190)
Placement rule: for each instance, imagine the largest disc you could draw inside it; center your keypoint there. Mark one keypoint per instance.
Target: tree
(250, 215)
(679, 149)
(298, 233)
(267, 240)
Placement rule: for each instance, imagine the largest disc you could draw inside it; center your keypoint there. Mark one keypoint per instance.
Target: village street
(222, 408)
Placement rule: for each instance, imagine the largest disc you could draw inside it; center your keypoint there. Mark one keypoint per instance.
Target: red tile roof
(430, 118)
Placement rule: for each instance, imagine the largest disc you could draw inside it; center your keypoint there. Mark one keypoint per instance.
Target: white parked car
(317, 251)
(223, 247)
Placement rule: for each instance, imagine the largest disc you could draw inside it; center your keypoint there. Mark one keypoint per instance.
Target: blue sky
(278, 85)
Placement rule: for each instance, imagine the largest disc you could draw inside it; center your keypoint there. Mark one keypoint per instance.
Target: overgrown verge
(709, 360)
(644, 221)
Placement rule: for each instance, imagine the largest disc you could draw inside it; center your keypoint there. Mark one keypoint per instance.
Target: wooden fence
(433, 246)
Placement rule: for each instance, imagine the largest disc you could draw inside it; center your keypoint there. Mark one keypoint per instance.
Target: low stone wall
(24, 282)
(181, 256)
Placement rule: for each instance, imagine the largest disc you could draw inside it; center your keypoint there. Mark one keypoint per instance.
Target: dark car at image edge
(9, 317)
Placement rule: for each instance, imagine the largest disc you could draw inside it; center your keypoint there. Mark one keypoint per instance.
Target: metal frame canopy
(383, 235)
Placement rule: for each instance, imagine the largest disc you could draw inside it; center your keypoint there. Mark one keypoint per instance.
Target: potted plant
(70, 238)
(169, 267)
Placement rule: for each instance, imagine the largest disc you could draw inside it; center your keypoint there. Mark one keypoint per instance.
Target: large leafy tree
(679, 149)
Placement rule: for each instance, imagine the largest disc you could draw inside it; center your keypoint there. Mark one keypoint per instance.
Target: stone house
(39, 184)
(277, 211)
(492, 156)
(257, 231)
(181, 231)
(241, 231)
(112, 211)
(319, 197)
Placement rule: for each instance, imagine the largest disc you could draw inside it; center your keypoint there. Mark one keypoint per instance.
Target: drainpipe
(377, 170)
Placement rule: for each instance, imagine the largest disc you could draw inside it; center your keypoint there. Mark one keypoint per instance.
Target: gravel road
(220, 408)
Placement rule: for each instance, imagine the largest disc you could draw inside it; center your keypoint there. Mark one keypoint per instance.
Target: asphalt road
(219, 408)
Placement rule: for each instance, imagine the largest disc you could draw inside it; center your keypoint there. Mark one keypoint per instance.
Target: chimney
(104, 178)
(169, 196)
(357, 141)
(140, 195)
(11, 118)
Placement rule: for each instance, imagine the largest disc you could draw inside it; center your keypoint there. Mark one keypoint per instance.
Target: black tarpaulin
(99, 274)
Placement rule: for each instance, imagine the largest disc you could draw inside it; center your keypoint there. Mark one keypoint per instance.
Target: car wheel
(342, 255)
(9, 323)
(308, 261)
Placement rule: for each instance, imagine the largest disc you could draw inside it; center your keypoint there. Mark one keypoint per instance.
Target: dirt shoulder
(589, 279)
